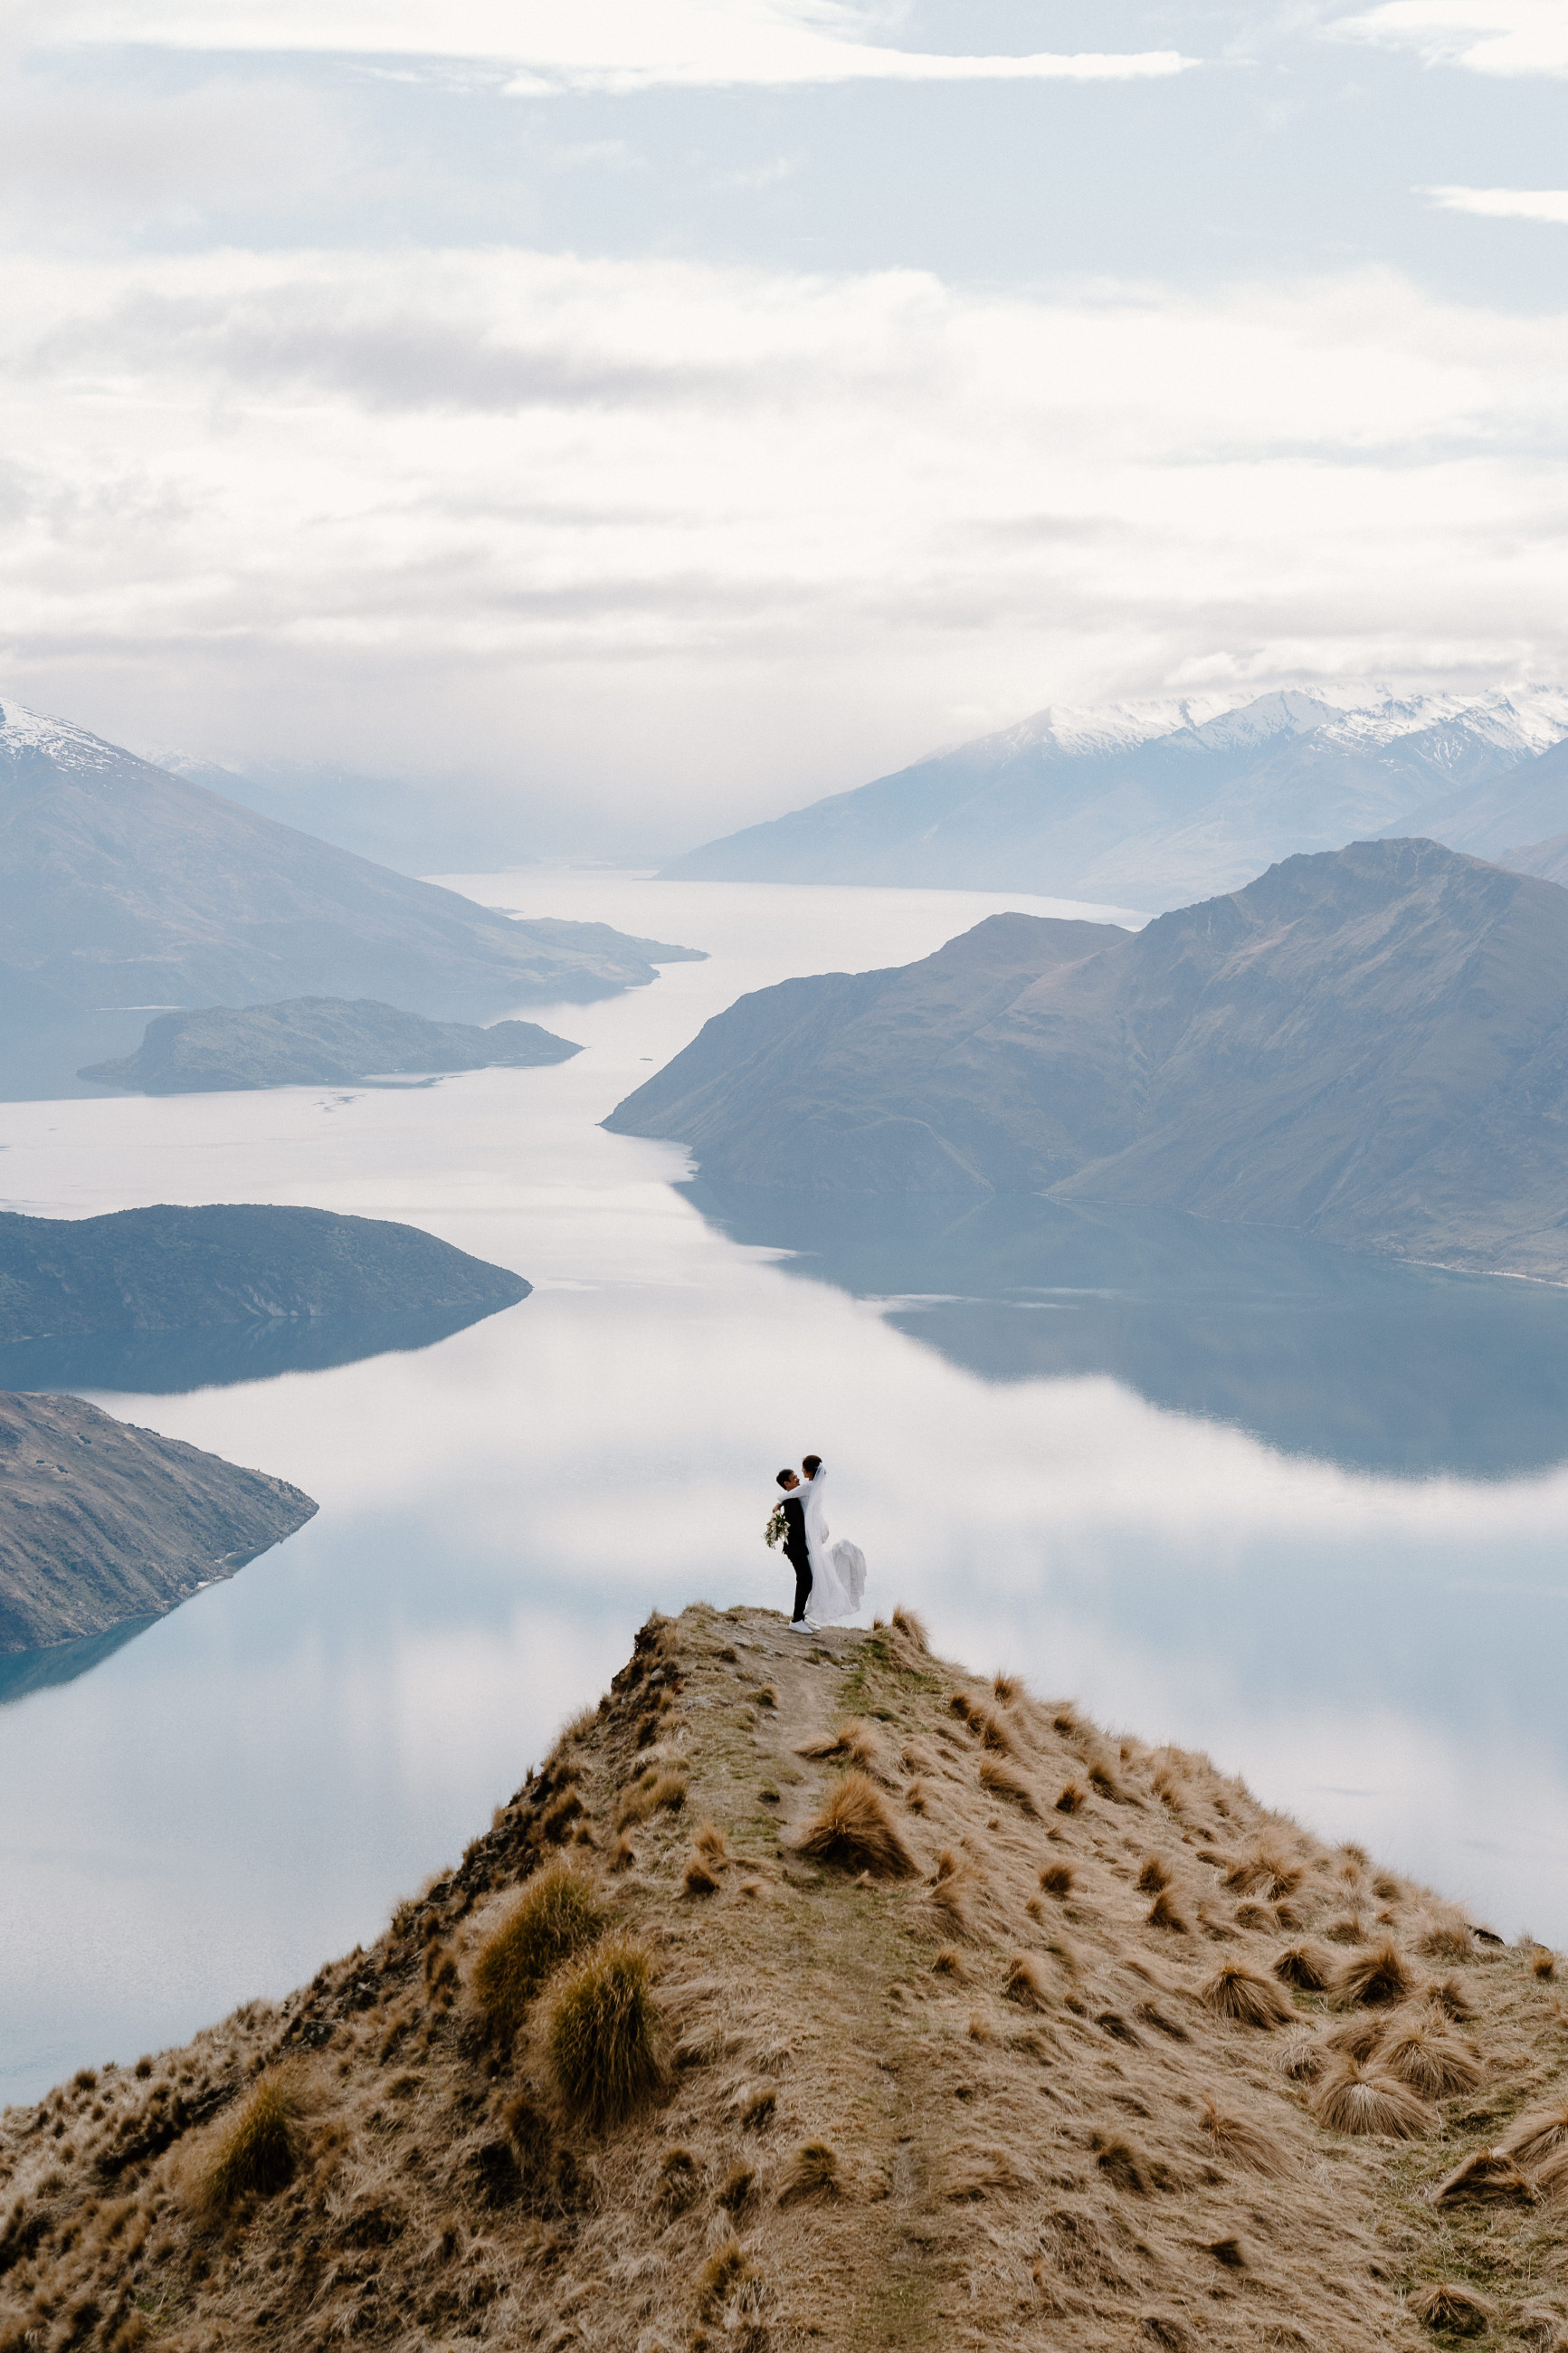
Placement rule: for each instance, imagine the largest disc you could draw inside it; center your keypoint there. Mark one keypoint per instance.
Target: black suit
(796, 1553)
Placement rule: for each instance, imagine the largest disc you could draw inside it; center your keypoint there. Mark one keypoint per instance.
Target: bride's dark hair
(811, 1464)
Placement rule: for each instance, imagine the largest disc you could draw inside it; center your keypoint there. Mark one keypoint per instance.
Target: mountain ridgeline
(125, 891)
(1368, 1046)
(830, 1995)
(1149, 806)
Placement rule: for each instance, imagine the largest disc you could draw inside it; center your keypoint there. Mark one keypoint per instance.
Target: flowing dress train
(837, 1569)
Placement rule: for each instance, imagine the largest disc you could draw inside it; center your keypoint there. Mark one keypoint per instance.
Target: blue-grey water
(1304, 1511)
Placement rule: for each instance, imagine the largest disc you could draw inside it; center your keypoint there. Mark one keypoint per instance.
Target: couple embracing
(829, 1578)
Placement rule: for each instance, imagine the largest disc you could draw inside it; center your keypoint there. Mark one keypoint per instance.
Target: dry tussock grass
(1435, 2065)
(1453, 2309)
(603, 2035)
(1486, 2178)
(853, 1831)
(1305, 1966)
(1055, 2144)
(253, 2153)
(1379, 1975)
(1354, 2098)
(1003, 1782)
(1242, 1993)
(555, 1917)
(1538, 2136)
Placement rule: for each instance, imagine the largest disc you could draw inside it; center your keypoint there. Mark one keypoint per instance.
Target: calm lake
(1304, 1511)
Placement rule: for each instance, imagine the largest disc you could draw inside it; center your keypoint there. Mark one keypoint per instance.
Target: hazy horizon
(615, 426)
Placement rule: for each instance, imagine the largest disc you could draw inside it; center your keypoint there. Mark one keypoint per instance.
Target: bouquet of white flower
(777, 1528)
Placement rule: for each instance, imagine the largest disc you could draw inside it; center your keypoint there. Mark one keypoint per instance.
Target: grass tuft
(1435, 2065)
(700, 1879)
(1451, 2310)
(1376, 1977)
(853, 1831)
(679, 2183)
(1450, 1997)
(912, 1627)
(725, 2271)
(1056, 1879)
(604, 2040)
(1072, 1800)
(1352, 2099)
(1307, 1966)
(1003, 1782)
(1538, 2136)
(253, 2153)
(738, 2189)
(1024, 1985)
(1164, 1912)
(1153, 1875)
(1238, 1993)
(1244, 2143)
(813, 2178)
(552, 1920)
(1487, 2177)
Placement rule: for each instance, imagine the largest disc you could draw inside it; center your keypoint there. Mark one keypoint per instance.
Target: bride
(838, 1570)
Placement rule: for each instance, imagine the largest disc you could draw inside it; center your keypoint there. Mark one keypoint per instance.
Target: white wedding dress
(838, 1570)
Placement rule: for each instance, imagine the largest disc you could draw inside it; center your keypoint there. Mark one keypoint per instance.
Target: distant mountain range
(1369, 1046)
(124, 887)
(1151, 806)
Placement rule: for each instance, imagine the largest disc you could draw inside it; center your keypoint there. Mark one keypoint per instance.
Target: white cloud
(1502, 204)
(727, 537)
(1491, 37)
(613, 45)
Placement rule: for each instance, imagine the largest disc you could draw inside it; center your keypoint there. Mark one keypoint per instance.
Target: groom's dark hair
(785, 1477)
(811, 1464)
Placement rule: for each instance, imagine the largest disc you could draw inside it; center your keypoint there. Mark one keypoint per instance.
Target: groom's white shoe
(799, 1626)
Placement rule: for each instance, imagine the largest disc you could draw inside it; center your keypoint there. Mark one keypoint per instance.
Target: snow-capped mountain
(1153, 805)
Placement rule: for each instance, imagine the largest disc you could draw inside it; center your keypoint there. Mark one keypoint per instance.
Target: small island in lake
(315, 1041)
(169, 1269)
(100, 1522)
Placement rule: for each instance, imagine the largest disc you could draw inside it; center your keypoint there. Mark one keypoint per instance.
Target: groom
(795, 1551)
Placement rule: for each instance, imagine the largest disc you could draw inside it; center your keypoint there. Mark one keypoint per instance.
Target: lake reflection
(1361, 1614)
(1363, 1361)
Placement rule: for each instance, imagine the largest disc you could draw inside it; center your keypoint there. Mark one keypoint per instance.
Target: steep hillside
(123, 886)
(183, 1270)
(315, 1041)
(1149, 806)
(1371, 1047)
(100, 1522)
(816, 1994)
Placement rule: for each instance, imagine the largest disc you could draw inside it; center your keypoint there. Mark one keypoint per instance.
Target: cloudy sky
(623, 419)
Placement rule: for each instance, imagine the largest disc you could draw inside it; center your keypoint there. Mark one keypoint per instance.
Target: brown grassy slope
(985, 2104)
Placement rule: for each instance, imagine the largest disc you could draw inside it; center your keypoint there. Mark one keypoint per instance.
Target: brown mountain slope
(1003, 2088)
